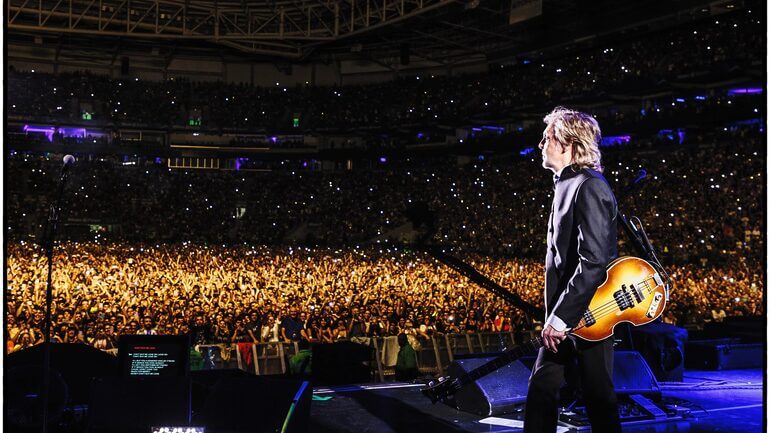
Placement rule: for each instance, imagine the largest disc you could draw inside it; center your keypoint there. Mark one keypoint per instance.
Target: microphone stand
(640, 242)
(637, 236)
(49, 233)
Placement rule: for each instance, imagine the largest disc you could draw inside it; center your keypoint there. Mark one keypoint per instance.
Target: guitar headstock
(441, 388)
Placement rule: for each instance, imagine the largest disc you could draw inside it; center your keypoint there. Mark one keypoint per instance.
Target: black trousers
(592, 363)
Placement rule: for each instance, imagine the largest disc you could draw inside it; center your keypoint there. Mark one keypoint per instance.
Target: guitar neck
(502, 360)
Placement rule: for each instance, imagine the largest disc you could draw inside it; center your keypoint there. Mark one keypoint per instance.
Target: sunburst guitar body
(633, 292)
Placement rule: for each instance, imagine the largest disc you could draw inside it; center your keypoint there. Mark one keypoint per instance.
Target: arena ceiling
(443, 31)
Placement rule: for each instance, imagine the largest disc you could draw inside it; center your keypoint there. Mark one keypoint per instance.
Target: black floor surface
(709, 401)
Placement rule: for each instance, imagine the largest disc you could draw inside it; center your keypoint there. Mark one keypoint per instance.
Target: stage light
(177, 430)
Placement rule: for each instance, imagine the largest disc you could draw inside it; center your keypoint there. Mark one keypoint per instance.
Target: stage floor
(711, 401)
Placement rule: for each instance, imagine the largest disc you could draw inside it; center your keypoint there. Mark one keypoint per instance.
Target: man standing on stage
(581, 242)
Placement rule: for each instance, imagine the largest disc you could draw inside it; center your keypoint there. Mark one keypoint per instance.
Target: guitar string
(610, 307)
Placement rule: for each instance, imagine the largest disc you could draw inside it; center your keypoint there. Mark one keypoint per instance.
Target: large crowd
(700, 201)
(174, 250)
(262, 294)
(705, 48)
(282, 251)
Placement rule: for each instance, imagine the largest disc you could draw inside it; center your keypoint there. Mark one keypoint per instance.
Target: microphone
(68, 161)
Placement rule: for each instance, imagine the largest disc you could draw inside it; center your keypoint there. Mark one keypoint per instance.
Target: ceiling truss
(282, 28)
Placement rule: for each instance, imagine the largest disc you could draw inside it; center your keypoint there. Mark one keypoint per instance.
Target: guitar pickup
(589, 318)
(623, 298)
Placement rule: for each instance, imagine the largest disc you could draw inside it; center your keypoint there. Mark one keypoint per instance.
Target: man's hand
(552, 338)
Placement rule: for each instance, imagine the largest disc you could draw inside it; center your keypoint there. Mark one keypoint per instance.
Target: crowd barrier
(434, 354)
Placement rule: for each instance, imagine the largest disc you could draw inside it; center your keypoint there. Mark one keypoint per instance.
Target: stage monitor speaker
(256, 404)
(747, 329)
(124, 65)
(662, 346)
(23, 399)
(724, 354)
(632, 375)
(405, 54)
(129, 405)
(77, 364)
(503, 390)
(496, 393)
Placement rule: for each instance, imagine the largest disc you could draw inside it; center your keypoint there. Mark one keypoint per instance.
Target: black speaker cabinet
(341, 363)
(662, 346)
(724, 354)
(129, 405)
(503, 390)
(632, 375)
(496, 393)
(77, 364)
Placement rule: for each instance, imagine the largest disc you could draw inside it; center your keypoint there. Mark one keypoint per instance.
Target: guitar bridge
(654, 306)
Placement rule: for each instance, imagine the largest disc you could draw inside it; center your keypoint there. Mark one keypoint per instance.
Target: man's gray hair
(580, 130)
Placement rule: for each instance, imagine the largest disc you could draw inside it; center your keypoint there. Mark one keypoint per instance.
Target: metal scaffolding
(280, 28)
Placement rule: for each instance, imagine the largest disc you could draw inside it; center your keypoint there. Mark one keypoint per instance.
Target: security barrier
(434, 354)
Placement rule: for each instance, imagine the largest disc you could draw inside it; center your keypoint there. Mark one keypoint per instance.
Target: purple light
(526, 151)
(304, 164)
(745, 91)
(73, 132)
(274, 139)
(420, 135)
(615, 140)
(47, 130)
(383, 159)
(158, 161)
(676, 134)
(499, 129)
(239, 162)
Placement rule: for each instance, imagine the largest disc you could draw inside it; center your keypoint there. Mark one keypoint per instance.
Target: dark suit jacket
(582, 241)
